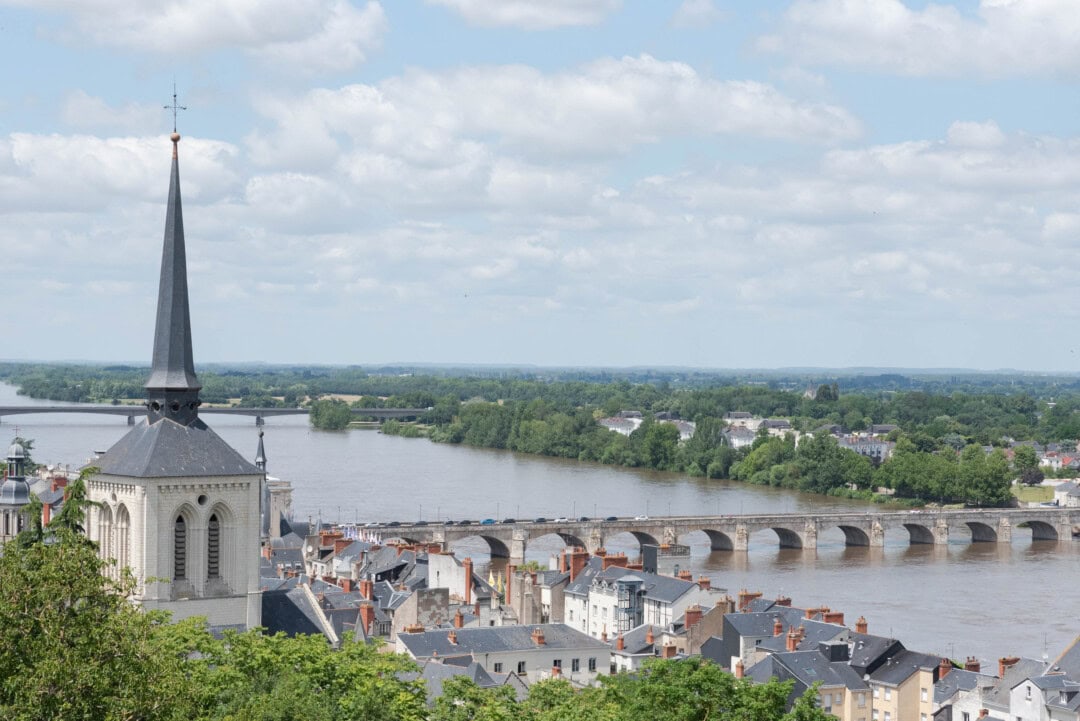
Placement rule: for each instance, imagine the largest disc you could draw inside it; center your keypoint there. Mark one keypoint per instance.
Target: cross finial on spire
(175, 108)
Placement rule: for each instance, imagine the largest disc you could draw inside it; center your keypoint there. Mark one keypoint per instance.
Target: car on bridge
(465, 523)
(612, 518)
(509, 520)
(540, 519)
(583, 518)
(487, 522)
(561, 519)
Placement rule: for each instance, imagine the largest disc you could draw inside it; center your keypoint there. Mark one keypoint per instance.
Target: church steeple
(173, 388)
(260, 455)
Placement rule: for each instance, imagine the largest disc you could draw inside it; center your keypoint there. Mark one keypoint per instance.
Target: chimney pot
(740, 670)
(649, 638)
(777, 627)
(943, 668)
(619, 643)
(459, 619)
(972, 664)
(704, 582)
(860, 625)
(538, 636)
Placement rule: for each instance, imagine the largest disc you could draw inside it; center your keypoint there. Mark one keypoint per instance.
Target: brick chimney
(819, 611)
(367, 588)
(746, 597)
(46, 514)
(510, 571)
(538, 636)
(792, 639)
(367, 617)
(556, 672)
(668, 651)
(617, 559)
(972, 664)
(346, 584)
(619, 643)
(1005, 663)
(459, 619)
(704, 582)
(649, 638)
(727, 603)
(836, 617)
(777, 627)
(601, 552)
(860, 625)
(452, 637)
(414, 628)
(685, 575)
(467, 563)
(783, 601)
(267, 552)
(603, 634)
(340, 544)
(576, 558)
(943, 668)
(693, 616)
(740, 670)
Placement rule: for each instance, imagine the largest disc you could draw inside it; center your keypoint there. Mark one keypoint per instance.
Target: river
(985, 600)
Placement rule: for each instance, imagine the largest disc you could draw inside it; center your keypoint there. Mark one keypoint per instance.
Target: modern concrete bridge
(794, 530)
(132, 411)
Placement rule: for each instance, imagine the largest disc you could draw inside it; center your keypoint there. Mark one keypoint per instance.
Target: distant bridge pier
(742, 537)
(259, 421)
(594, 541)
(131, 419)
(518, 541)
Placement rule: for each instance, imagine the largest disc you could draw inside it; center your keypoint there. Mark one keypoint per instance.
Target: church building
(178, 505)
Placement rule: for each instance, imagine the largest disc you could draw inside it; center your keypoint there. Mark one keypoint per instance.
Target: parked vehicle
(487, 522)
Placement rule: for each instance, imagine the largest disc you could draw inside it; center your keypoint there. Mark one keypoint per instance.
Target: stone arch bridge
(791, 530)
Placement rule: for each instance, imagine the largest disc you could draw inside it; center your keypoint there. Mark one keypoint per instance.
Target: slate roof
(583, 582)
(290, 612)
(956, 681)
(810, 667)
(634, 641)
(899, 667)
(712, 650)
(434, 673)
(867, 652)
(1068, 662)
(497, 639)
(168, 449)
(997, 695)
(814, 633)
(656, 587)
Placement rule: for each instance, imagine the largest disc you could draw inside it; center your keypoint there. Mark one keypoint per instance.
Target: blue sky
(552, 182)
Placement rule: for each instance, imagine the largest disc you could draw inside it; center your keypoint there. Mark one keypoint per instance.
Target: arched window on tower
(179, 549)
(213, 547)
(123, 537)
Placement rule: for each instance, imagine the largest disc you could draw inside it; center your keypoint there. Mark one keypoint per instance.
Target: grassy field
(1033, 494)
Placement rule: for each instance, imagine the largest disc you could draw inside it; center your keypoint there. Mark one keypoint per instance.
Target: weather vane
(175, 107)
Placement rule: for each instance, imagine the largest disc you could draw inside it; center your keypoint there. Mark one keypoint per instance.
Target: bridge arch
(981, 532)
(788, 538)
(496, 547)
(1042, 531)
(855, 536)
(918, 533)
(718, 540)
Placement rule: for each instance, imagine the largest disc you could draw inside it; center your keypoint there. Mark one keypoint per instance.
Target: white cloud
(696, 14)
(303, 35)
(532, 14)
(456, 118)
(1000, 38)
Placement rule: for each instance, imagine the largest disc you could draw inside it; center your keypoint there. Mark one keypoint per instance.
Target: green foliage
(330, 414)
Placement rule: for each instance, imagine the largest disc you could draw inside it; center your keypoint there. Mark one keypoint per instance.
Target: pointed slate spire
(260, 454)
(173, 388)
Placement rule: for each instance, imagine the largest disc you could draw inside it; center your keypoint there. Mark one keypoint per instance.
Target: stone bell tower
(178, 505)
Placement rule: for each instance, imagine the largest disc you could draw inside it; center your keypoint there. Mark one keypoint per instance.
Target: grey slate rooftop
(495, 639)
(167, 449)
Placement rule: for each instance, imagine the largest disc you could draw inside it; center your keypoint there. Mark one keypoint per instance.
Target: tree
(330, 414)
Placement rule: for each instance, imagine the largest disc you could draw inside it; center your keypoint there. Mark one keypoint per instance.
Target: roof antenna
(175, 107)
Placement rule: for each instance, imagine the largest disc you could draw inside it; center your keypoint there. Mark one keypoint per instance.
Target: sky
(704, 183)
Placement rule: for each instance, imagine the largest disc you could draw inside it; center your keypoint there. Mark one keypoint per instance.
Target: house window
(179, 549)
(837, 699)
(498, 668)
(874, 715)
(888, 695)
(571, 615)
(888, 716)
(924, 693)
(575, 665)
(966, 717)
(557, 663)
(521, 668)
(592, 664)
(877, 692)
(1027, 689)
(922, 717)
(862, 700)
(213, 547)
